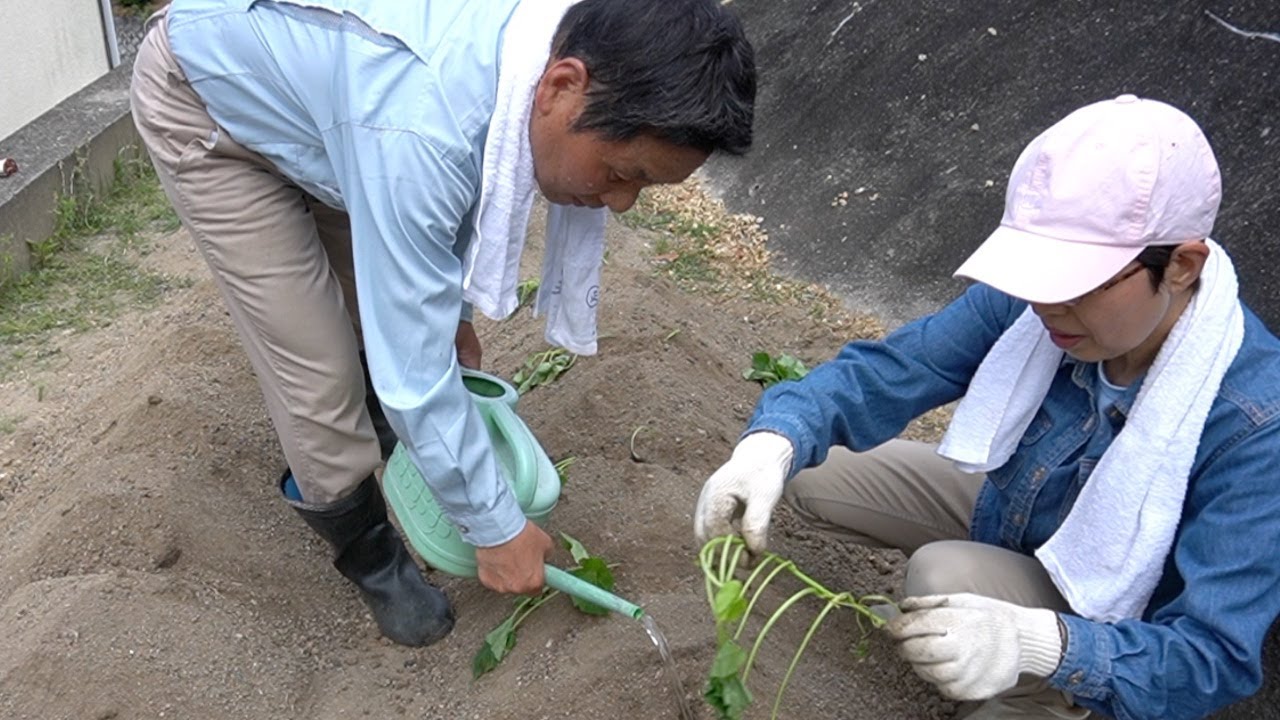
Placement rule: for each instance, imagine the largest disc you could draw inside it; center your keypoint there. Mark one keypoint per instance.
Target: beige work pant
(282, 261)
(903, 495)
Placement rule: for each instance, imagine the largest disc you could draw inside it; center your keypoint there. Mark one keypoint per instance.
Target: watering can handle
(583, 590)
(525, 456)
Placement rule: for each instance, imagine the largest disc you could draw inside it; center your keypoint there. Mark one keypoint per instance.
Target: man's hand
(468, 345)
(752, 480)
(972, 647)
(516, 565)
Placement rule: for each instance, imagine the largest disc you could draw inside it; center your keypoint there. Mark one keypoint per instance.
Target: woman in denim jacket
(1096, 535)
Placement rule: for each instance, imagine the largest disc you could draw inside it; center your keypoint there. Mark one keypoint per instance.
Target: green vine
(732, 602)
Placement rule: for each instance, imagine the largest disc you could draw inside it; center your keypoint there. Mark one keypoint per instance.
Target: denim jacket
(1198, 645)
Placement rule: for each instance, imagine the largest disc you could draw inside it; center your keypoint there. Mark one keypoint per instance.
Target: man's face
(581, 167)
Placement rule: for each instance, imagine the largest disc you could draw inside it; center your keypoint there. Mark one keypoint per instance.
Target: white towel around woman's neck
(570, 283)
(1109, 553)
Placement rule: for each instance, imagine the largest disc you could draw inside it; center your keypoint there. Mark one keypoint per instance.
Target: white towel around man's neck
(570, 282)
(1109, 553)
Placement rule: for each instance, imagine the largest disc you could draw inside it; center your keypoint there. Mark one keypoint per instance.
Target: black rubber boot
(386, 436)
(370, 553)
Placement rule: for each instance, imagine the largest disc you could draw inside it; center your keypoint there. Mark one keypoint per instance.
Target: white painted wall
(49, 49)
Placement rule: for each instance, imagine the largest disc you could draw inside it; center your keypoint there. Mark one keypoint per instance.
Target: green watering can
(525, 465)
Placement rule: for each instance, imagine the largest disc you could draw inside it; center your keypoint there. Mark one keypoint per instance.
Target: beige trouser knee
(903, 495)
(282, 262)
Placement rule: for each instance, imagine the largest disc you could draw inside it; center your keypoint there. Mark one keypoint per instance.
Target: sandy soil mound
(150, 571)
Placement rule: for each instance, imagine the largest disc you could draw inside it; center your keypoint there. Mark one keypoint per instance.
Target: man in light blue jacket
(327, 157)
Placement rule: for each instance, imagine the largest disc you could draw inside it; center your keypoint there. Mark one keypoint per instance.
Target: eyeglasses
(1105, 286)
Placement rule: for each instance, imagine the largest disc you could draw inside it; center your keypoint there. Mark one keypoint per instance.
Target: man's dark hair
(679, 70)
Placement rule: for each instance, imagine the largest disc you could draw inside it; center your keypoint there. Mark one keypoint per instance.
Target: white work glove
(753, 478)
(973, 647)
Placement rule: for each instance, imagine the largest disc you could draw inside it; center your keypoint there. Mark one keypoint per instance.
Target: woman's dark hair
(679, 70)
(1155, 259)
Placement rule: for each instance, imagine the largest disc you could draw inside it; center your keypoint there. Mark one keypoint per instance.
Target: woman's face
(1123, 322)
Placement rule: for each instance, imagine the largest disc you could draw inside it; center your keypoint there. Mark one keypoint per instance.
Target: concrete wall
(72, 148)
(50, 50)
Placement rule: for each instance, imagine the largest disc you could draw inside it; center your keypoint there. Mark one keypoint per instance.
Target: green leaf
(791, 368)
(519, 379)
(542, 368)
(729, 604)
(502, 639)
(728, 696)
(729, 660)
(575, 548)
(591, 569)
(526, 291)
(483, 662)
(768, 370)
(760, 368)
(497, 644)
(595, 571)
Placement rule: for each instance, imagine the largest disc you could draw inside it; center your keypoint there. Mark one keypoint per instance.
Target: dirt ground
(149, 569)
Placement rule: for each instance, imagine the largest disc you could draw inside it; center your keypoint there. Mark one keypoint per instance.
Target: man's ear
(564, 79)
(1186, 264)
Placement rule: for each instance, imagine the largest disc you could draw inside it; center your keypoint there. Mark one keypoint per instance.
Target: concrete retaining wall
(70, 149)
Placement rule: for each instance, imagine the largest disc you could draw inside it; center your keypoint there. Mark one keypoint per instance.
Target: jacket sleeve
(407, 199)
(868, 393)
(1202, 650)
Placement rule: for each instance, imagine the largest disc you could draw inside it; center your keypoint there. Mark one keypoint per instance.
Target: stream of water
(668, 663)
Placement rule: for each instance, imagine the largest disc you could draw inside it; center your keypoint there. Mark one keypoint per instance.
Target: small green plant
(732, 601)
(562, 468)
(43, 252)
(542, 368)
(768, 370)
(526, 291)
(593, 569)
(500, 641)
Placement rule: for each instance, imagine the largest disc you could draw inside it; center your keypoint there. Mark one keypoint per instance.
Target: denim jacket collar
(1086, 376)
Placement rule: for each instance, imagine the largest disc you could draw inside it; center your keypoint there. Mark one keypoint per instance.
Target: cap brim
(1041, 269)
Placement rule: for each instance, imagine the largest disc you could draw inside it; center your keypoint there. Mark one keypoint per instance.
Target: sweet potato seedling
(768, 370)
(562, 468)
(526, 291)
(542, 368)
(501, 640)
(732, 601)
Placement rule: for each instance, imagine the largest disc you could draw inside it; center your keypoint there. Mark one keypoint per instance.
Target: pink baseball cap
(1091, 192)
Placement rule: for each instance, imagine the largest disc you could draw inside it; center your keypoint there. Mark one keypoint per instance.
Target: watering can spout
(583, 590)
